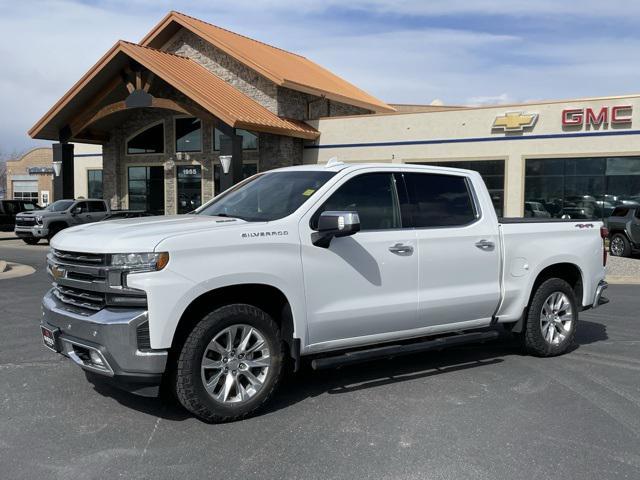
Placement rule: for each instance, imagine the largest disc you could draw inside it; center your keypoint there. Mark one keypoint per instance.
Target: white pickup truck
(338, 264)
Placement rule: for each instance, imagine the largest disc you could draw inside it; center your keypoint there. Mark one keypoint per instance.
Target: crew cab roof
(345, 167)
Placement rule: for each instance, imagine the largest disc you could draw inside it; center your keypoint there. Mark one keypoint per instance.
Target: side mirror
(335, 224)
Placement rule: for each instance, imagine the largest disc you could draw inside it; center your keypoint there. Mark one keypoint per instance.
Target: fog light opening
(96, 358)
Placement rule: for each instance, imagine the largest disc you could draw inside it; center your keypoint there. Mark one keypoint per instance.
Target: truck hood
(134, 234)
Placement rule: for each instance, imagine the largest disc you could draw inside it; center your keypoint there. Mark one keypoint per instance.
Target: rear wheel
(230, 364)
(619, 246)
(30, 240)
(551, 319)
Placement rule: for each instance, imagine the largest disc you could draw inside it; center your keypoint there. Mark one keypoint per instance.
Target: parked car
(35, 225)
(10, 208)
(624, 230)
(535, 209)
(337, 264)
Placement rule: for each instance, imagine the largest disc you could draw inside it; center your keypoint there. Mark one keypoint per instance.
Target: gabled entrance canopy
(122, 79)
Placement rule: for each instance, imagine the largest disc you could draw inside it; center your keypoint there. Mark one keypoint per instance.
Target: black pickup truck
(10, 208)
(624, 230)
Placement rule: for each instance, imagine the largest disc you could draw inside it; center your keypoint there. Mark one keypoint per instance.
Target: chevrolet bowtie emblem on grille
(58, 272)
(515, 121)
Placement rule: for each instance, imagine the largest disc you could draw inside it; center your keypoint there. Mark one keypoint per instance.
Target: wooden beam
(147, 84)
(122, 106)
(93, 105)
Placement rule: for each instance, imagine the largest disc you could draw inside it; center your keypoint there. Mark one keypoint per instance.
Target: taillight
(604, 233)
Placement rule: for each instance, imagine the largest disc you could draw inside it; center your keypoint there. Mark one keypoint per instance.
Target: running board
(360, 356)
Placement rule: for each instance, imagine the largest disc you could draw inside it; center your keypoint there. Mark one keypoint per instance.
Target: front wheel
(30, 240)
(230, 364)
(552, 319)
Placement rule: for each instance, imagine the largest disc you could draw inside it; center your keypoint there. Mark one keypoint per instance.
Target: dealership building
(193, 108)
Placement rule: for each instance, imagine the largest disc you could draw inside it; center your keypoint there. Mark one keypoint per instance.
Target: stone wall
(249, 82)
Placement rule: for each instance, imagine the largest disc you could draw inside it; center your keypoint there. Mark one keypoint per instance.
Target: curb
(622, 280)
(16, 270)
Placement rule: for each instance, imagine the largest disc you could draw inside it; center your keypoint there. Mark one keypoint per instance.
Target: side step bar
(360, 356)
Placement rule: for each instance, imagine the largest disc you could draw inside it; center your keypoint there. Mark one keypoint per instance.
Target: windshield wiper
(229, 216)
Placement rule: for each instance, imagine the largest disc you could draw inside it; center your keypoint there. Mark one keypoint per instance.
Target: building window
(580, 188)
(146, 189)
(248, 169)
(26, 190)
(189, 187)
(188, 135)
(492, 172)
(249, 140)
(94, 183)
(150, 140)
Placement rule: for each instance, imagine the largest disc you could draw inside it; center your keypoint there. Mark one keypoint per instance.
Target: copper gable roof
(193, 80)
(281, 67)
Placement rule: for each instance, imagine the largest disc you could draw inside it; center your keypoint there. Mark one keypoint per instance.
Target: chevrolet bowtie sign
(514, 121)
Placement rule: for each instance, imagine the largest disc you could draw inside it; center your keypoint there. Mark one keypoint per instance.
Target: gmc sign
(620, 115)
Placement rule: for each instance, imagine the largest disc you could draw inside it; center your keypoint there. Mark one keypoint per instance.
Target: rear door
(97, 210)
(366, 284)
(458, 250)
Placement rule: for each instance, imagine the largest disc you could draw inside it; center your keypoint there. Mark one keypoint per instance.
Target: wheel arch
(567, 271)
(267, 297)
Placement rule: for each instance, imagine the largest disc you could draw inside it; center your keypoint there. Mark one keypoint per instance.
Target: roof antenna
(333, 161)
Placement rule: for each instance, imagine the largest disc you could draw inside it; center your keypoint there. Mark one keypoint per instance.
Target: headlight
(140, 262)
(39, 219)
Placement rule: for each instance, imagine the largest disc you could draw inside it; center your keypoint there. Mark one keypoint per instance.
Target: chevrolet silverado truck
(32, 226)
(624, 230)
(334, 264)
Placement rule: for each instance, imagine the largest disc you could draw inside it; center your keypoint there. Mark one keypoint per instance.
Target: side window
(439, 200)
(372, 195)
(83, 207)
(10, 208)
(620, 212)
(97, 207)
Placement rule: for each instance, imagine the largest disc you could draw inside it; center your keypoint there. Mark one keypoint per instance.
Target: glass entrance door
(189, 187)
(146, 189)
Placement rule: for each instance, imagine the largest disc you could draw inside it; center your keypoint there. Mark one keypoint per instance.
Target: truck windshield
(267, 196)
(59, 206)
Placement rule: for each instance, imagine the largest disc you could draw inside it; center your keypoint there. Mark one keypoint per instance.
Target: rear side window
(372, 195)
(97, 207)
(10, 208)
(620, 212)
(439, 200)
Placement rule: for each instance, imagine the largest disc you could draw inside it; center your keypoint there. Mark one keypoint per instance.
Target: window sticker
(308, 192)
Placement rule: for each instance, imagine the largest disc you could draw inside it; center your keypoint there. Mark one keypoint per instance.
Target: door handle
(485, 245)
(401, 249)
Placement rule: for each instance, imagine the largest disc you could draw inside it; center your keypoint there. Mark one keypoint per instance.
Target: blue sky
(402, 51)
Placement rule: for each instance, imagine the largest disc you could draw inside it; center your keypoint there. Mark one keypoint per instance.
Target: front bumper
(106, 344)
(37, 231)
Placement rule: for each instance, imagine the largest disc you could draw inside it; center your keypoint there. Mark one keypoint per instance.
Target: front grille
(25, 221)
(80, 258)
(85, 283)
(80, 298)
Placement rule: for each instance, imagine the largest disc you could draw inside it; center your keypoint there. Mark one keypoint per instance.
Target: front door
(363, 285)
(459, 254)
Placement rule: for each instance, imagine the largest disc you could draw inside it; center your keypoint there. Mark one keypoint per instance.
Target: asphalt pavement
(478, 412)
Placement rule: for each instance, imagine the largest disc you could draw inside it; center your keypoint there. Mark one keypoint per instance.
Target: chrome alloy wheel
(235, 364)
(617, 246)
(556, 318)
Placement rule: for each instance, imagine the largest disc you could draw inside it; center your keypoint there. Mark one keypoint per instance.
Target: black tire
(619, 245)
(53, 230)
(189, 385)
(30, 240)
(535, 341)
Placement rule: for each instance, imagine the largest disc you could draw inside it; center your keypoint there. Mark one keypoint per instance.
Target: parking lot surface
(482, 411)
